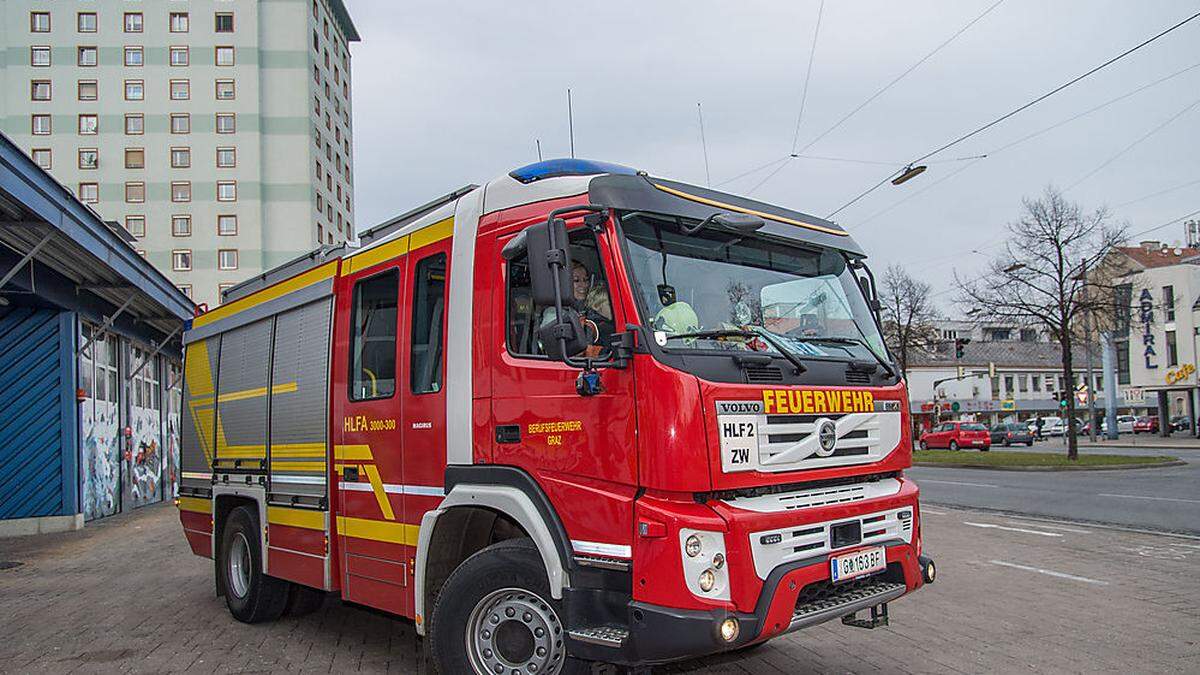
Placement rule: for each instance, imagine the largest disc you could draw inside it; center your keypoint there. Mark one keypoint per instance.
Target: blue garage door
(37, 447)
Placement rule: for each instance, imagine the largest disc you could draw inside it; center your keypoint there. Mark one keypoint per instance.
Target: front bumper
(795, 596)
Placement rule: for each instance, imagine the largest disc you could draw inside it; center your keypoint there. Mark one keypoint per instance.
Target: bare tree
(908, 314)
(1042, 276)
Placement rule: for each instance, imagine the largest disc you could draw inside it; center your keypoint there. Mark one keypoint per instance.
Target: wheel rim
(514, 632)
(239, 565)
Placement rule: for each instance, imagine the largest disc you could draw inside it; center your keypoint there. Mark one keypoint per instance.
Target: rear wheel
(924, 444)
(495, 615)
(1029, 444)
(953, 445)
(1007, 443)
(251, 595)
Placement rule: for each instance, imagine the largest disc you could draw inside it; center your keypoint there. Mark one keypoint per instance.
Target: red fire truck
(577, 414)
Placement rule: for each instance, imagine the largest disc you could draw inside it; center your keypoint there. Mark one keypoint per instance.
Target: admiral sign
(1146, 314)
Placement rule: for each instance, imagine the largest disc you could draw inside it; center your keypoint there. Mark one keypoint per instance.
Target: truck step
(605, 636)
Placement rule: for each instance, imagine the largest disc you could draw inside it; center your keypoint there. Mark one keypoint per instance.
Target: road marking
(993, 526)
(1157, 499)
(932, 512)
(955, 482)
(1022, 521)
(1047, 519)
(1061, 575)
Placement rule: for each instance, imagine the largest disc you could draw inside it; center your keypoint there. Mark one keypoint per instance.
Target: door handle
(350, 473)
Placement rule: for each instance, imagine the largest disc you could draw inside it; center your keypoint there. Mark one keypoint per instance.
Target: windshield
(974, 427)
(807, 298)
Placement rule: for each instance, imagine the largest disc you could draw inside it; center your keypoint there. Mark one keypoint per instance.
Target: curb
(1118, 444)
(1108, 467)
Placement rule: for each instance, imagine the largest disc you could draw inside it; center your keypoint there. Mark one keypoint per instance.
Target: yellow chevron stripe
(353, 452)
(378, 530)
(374, 256)
(308, 467)
(258, 392)
(385, 505)
(315, 275)
(443, 229)
(195, 504)
(309, 520)
(243, 452)
(298, 449)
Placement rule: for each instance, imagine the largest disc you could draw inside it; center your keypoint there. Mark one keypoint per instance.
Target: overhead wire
(1021, 108)
(1156, 194)
(1134, 144)
(812, 52)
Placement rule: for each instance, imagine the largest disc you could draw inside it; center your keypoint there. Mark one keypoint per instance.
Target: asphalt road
(1165, 499)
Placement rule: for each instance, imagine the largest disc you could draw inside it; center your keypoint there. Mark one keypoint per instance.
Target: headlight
(718, 561)
(730, 629)
(692, 546)
(707, 580)
(705, 567)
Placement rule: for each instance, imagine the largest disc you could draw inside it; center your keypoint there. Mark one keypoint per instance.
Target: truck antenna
(539, 147)
(704, 146)
(570, 123)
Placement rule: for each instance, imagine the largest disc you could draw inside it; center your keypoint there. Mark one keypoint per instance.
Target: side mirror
(549, 262)
(569, 327)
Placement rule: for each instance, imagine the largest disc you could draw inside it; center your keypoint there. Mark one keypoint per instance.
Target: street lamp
(909, 173)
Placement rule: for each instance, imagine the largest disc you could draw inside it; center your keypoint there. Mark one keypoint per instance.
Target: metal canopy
(41, 220)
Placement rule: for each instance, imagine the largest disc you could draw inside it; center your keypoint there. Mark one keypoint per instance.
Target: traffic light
(960, 346)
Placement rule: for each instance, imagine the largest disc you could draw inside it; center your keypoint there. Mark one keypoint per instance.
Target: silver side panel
(460, 328)
(299, 417)
(242, 381)
(303, 296)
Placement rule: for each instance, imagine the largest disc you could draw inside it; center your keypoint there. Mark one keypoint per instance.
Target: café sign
(1180, 374)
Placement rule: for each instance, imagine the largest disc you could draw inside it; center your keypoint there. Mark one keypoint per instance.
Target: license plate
(851, 565)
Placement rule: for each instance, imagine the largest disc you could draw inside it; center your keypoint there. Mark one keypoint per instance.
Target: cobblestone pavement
(1013, 595)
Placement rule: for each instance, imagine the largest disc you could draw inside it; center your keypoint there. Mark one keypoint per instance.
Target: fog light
(930, 572)
(707, 580)
(730, 629)
(718, 561)
(692, 546)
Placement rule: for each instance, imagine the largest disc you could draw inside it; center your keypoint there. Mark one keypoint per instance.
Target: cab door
(368, 461)
(580, 449)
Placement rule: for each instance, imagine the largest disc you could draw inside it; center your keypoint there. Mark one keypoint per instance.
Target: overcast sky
(450, 93)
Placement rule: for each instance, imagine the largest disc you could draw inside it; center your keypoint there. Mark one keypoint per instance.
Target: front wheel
(953, 445)
(251, 595)
(495, 615)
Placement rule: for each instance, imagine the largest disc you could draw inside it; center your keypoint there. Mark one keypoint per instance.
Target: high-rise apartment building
(216, 131)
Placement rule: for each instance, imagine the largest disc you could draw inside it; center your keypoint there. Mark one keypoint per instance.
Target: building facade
(217, 132)
(1156, 340)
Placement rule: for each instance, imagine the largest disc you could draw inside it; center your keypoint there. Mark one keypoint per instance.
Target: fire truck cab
(576, 414)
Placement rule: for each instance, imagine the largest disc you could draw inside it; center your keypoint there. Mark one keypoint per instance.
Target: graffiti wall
(144, 458)
(100, 444)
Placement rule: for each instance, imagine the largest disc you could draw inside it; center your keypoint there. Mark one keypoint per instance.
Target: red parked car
(955, 435)
(1146, 424)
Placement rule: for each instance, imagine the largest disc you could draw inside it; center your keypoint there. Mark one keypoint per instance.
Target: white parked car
(1051, 426)
(1124, 424)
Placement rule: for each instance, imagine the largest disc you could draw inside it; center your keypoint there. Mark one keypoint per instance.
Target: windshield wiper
(734, 332)
(844, 340)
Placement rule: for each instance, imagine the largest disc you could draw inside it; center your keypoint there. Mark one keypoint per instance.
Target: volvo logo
(826, 436)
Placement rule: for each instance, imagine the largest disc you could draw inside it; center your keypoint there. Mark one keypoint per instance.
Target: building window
(179, 22)
(39, 90)
(179, 56)
(135, 158)
(134, 57)
(39, 125)
(1037, 382)
(135, 90)
(226, 123)
(41, 157)
(226, 158)
(1172, 348)
(1008, 384)
(181, 226)
(181, 90)
(181, 260)
(181, 191)
(87, 90)
(225, 91)
(85, 22)
(373, 337)
(135, 124)
(1169, 303)
(89, 158)
(39, 22)
(135, 193)
(136, 225)
(181, 158)
(89, 124)
(181, 123)
(89, 193)
(133, 22)
(39, 56)
(186, 289)
(227, 259)
(224, 56)
(226, 191)
(86, 56)
(223, 22)
(227, 225)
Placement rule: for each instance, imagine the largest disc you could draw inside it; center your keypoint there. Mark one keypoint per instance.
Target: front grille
(782, 432)
(824, 596)
(759, 374)
(857, 377)
(772, 548)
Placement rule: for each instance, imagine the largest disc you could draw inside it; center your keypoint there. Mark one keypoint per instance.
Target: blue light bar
(555, 168)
